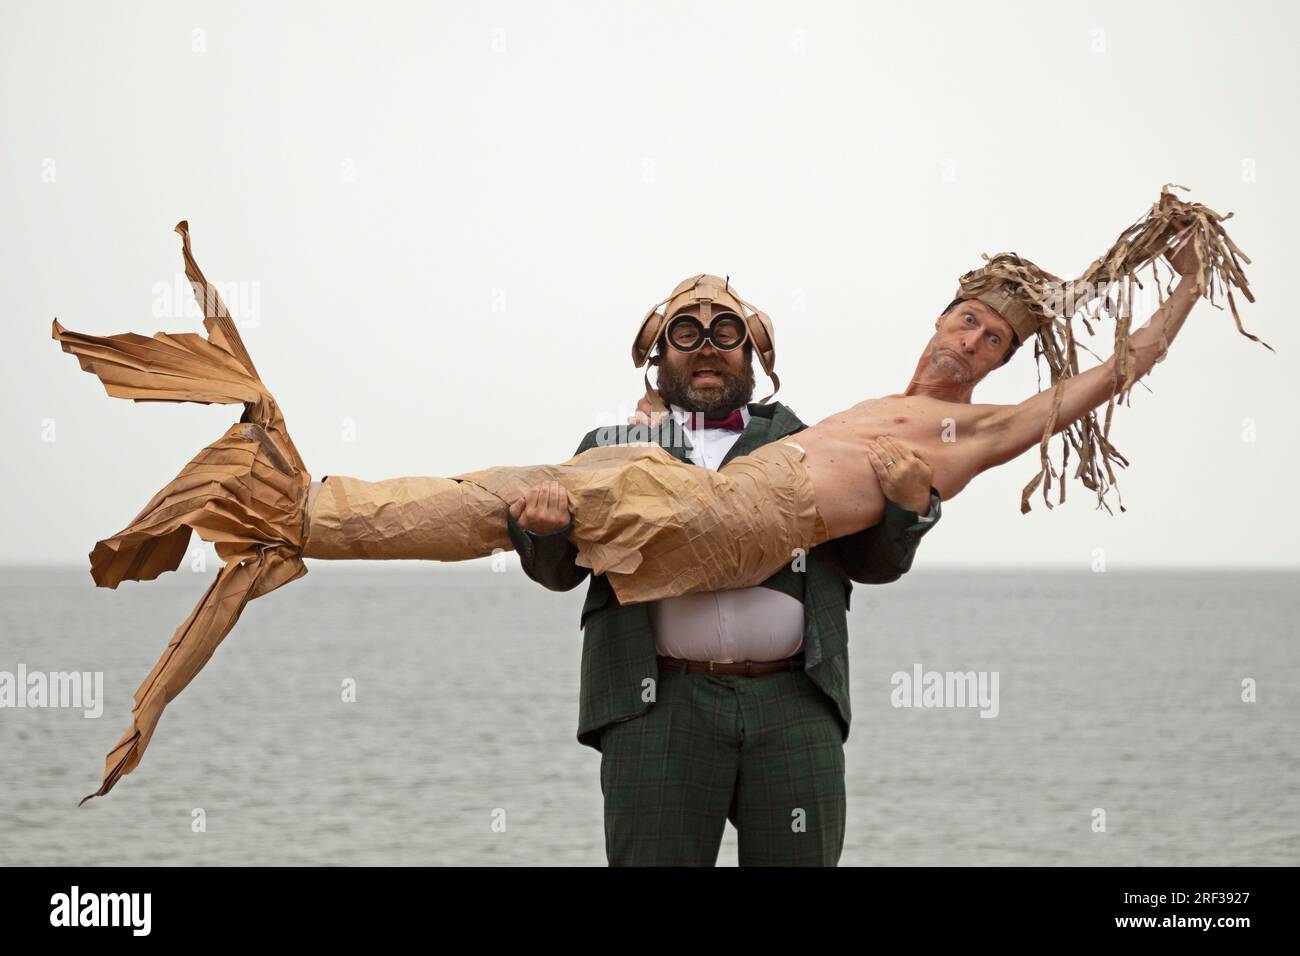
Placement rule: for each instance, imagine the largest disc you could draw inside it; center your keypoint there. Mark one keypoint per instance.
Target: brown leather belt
(738, 669)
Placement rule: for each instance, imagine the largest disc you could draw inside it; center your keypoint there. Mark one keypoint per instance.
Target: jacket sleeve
(549, 558)
(884, 552)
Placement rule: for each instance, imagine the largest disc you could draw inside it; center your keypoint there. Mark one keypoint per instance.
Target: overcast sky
(444, 225)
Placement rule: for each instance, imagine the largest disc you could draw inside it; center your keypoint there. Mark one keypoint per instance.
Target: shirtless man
(970, 340)
(843, 467)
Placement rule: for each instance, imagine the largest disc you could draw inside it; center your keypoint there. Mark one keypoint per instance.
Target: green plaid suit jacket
(618, 650)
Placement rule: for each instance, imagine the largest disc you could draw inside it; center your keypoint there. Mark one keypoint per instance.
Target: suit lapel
(766, 423)
(755, 436)
(673, 438)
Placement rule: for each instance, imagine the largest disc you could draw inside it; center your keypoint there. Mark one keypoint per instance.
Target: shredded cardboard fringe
(1108, 286)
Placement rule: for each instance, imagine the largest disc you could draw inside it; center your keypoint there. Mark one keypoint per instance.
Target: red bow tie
(732, 423)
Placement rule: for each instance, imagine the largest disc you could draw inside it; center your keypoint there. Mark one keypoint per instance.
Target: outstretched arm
(1013, 429)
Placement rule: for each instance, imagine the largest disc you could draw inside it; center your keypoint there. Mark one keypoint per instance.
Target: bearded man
(732, 704)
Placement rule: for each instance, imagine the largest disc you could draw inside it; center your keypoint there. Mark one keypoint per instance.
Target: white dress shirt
(745, 624)
(708, 445)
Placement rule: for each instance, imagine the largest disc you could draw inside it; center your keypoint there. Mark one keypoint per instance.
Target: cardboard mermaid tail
(244, 492)
(657, 526)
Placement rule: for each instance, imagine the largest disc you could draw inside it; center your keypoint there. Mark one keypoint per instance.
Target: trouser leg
(668, 776)
(789, 806)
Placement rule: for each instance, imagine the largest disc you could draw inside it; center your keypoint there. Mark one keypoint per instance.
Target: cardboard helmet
(713, 295)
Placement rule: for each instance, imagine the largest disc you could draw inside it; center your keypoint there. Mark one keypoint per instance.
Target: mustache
(733, 387)
(958, 356)
(703, 362)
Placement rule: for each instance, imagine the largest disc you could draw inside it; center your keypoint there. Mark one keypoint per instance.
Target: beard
(714, 401)
(946, 363)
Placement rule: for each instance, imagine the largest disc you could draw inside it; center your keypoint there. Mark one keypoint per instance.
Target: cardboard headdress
(710, 293)
(1040, 306)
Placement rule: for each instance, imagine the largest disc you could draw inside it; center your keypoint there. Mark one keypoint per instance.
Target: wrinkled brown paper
(657, 526)
(245, 493)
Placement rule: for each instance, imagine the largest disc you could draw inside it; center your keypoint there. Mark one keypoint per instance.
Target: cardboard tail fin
(246, 493)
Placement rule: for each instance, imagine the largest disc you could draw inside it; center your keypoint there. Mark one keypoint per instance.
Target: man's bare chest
(940, 433)
(920, 423)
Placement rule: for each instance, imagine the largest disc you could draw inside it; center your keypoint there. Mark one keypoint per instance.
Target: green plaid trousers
(764, 752)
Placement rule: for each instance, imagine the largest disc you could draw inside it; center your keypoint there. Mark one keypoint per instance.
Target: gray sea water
(1119, 692)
